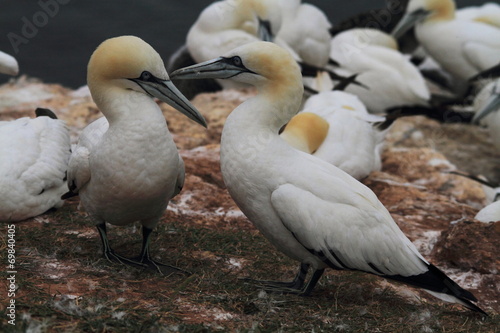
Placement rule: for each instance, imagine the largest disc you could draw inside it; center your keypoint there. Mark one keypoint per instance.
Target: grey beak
(408, 21)
(219, 68)
(492, 105)
(167, 92)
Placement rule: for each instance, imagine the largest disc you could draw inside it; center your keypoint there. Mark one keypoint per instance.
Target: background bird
(34, 159)
(309, 209)
(350, 139)
(8, 64)
(126, 166)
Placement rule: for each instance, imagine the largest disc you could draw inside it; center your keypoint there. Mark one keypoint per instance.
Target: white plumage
(309, 209)
(129, 171)
(34, 157)
(389, 78)
(305, 29)
(461, 46)
(490, 213)
(351, 142)
(8, 64)
(487, 106)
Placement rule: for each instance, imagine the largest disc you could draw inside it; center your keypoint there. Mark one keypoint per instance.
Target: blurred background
(68, 31)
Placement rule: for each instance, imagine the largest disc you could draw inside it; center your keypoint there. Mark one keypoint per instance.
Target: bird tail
(435, 282)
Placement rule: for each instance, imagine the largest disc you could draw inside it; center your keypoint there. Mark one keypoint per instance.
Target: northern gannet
(309, 209)
(462, 47)
(490, 213)
(488, 13)
(487, 107)
(390, 79)
(8, 64)
(336, 127)
(129, 171)
(306, 29)
(34, 156)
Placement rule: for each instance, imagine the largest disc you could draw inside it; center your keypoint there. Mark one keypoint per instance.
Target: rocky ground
(65, 286)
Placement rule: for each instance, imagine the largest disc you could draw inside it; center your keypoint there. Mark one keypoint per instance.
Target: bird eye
(146, 76)
(237, 61)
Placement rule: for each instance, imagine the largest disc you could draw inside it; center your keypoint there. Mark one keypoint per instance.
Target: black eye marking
(237, 61)
(146, 76)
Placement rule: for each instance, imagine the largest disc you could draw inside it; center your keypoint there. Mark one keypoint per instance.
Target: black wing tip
(43, 112)
(437, 281)
(69, 194)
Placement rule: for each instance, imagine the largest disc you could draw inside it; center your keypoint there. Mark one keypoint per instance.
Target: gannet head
(260, 18)
(306, 132)
(491, 103)
(424, 10)
(8, 64)
(128, 63)
(330, 100)
(268, 67)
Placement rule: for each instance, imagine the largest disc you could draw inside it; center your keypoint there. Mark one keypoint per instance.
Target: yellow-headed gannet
(34, 156)
(336, 127)
(462, 47)
(309, 209)
(129, 171)
(8, 64)
(390, 79)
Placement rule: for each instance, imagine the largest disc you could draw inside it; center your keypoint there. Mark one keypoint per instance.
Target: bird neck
(121, 107)
(442, 10)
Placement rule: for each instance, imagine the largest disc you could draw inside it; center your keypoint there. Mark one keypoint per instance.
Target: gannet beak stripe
(265, 33)
(408, 21)
(167, 92)
(219, 68)
(493, 104)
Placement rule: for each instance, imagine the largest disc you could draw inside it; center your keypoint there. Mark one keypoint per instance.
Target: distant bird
(336, 127)
(305, 29)
(462, 47)
(309, 209)
(302, 29)
(129, 171)
(490, 213)
(488, 13)
(389, 78)
(34, 156)
(487, 107)
(8, 64)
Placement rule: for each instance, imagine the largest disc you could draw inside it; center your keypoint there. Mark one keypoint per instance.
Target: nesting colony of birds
(341, 151)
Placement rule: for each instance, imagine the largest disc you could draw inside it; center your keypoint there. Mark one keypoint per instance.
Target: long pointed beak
(492, 105)
(8, 64)
(408, 21)
(218, 68)
(167, 92)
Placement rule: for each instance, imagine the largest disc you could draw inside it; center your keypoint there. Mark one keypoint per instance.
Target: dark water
(55, 43)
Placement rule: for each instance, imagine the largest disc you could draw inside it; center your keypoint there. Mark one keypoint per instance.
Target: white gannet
(488, 13)
(129, 171)
(490, 213)
(336, 127)
(462, 47)
(487, 106)
(390, 79)
(224, 25)
(306, 29)
(309, 209)
(8, 64)
(34, 156)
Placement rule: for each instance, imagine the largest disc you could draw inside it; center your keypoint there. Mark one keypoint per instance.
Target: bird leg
(145, 258)
(294, 286)
(108, 252)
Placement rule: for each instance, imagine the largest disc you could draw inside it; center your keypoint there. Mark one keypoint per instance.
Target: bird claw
(163, 269)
